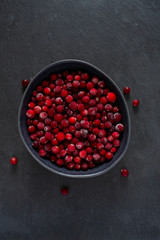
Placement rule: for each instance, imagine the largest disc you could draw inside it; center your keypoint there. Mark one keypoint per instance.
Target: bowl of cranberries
(73, 119)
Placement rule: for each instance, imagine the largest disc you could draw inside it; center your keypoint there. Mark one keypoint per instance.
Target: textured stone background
(121, 37)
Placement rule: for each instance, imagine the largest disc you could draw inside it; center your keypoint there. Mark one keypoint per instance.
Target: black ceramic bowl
(86, 67)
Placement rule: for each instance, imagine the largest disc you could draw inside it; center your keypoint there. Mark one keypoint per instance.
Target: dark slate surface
(123, 39)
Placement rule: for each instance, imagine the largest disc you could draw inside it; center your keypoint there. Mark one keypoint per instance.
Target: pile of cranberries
(73, 120)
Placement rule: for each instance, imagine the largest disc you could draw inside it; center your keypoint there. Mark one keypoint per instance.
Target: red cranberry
(77, 77)
(64, 93)
(93, 92)
(55, 149)
(110, 138)
(37, 109)
(35, 144)
(71, 147)
(113, 150)
(126, 90)
(60, 109)
(101, 84)
(80, 107)
(96, 157)
(42, 152)
(103, 100)
(48, 136)
(59, 82)
(64, 191)
(117, 117)
(77, 159)
(60, 136)
(25, 82)
(47, 90)
(33, 136)
(54, 124)
(47, 129)
(92, 102)
(92, 111)
(100, 146)
(79, 145)
(111, 97)
(85, 76)
(73, 106)
(124, 172)
(43, 115)
(60, 162)
(77, 166)
(119, 127)
(31, 105)
(68, 136)
(116, 143)
(135, 102)
(108, 146)
(58, 89)
(102, 133)
(104, 140)
(89, 158)
(13, 160)
(68, 159)
(63, 153)
(64, 123)
(70, 166)
(30, 113)
(115, 109)
(84, 166)
(82, 154)
(108, 124)
(85, 99)
(108, 107)
(91, 164)
(69, 99)
(72, 120)
(95, 80)
(115, 134)
(97, 122)
(31, 129)
(109, 155)
(58, 117)
(92, 137)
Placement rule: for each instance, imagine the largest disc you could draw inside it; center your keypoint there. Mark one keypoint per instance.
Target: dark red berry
(64, 191)
(124, 172)
(25, 82)
(126, 90)
(135, 102)
(13, 160)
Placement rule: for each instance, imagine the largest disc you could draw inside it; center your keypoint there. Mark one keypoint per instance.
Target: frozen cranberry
(95, 80)
(64, 191)
(91, 164)
(92, 111)
(72, 120)
(119, 127)
(124, 172)
(70, 166)
(44, 108)
(77, 166)
(58, 89)
(113, 150)
(58, 117)
(64, 123)
(60, 136)
(110, 138)
(42, 152)
(135, 102)
(84, 124)
(73, 106)
(31, 129)
(77, 77)
(92, 102)
(108, 146)
(33, 136)
(80, 107)
(59, 82)
(109, 155)
(60, 109)
(54, 124)
(39, 96)
(25, 82)
(103, 100)
(116, 143)
(30, 113)
(115, 134)
(108, 124)
(64, 93)
(68, 159)
(70, 77)
(102, 152)
(69, 99)
(55, 149)
(13, 160)
(77, 125)
(47, 90)
(82, 154)
(77, 159)
(31, 105)
(102, 133)
(68, 136)
(96, 157)
(115, 109)
(85, 76)
(60, 162)
(37, 109)
(117, 117)
(104, 140)
(97, 122)
(100, 146)
(35, 144)
(108, 107)
(85, 99)
(43, 115)
(111, 97)
(79, 145)
(84, 166)
(126, 90)
(93, 91)
(92, 137)
(48, 136)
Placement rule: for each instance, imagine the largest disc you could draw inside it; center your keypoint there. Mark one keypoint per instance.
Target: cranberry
(102, 133)
(68, 159)
(35, 144)
(97, 122)
(37, 109)
(108, 146)
(71, 147)
(84, 166)
(115, 109)
(79, 145)
(30, 113)
(64, 93)
(115, 134)
(95, 80)
(101, 84)
(84, 124)
(77, 134)
(117, 117)
(70, 166)
(92, 137)
(69, 99)
(59, 109)
(31, 129)
(103, 100)
(85, 76)
(31, 105)
(109, 155)
(116, 143)
(119, 127)
(108, 107)
(64, 191)
(93, 91)
(43, 115)
(126, 90)
(42, 152)
(108, 124)
(64, 123)
(25, 82)
(82, 154)
(58, 89)
(91, 164)
(85, 99)
(48, 136)
(89, 158)
(104, 140)
(92, 111)
(47, 90)
(100, 146)
(72, 120)
(135, 102)
(68, 136)
(60, 162)
(92, 102)
(77, 159)
(58, 117)
(55, 149)
(77, 166)
(113, 150)
(60, 136)
(111, 97)
(124, 172)
(77, 77)
(13, 160)
(96, 157)
(73, 106)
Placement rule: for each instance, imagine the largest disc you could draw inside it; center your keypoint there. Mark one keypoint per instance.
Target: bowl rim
(54, 170)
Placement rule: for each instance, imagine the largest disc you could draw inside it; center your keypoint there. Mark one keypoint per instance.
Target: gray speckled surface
(122, 38)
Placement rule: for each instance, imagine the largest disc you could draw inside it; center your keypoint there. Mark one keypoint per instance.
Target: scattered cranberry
(126, 90)
(135, 102)
(25, 82)
(13, 160)
(124, 172)
(64, 191)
